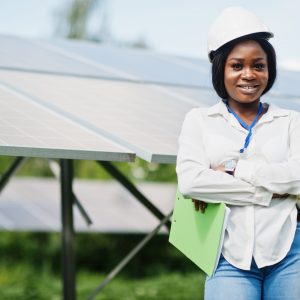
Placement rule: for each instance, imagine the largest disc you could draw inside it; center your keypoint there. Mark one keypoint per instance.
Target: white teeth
(248, 87)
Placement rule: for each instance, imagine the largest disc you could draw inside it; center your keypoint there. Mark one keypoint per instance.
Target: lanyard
(249, 128)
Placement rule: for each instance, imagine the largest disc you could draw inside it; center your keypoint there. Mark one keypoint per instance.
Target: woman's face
(246, 72)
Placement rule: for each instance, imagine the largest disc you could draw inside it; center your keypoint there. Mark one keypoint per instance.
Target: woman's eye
(259, 66)
(237, 66)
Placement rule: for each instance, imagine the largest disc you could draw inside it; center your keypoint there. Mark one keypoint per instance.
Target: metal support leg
(11, 170)
(128, 258)
(54, 167)
(68, 261)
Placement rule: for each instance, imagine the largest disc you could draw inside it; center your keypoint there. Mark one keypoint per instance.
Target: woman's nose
(248, 74)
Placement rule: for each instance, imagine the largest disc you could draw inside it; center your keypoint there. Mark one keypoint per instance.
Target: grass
(24, 282)
(173, 286)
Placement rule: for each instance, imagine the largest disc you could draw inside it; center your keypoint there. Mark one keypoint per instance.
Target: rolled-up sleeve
(197, 180)
(280, 178)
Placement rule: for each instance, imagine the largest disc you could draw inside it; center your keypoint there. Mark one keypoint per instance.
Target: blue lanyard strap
(249, 128)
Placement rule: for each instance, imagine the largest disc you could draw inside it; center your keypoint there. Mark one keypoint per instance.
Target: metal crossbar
(164, 221)
(129, 257)
(109, 167)
(11, 171)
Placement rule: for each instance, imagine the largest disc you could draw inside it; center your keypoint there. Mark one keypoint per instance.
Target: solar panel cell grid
(140, 65)
(133, 114)
(30, 126)
(25, 54)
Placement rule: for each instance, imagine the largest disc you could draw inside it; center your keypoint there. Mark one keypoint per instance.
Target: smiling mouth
(248, 88)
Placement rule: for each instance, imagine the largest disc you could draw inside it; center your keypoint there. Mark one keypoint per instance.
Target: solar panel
(93, 60)
(283, 101)
(287, 83)
(89, 59)
(140, 65)
(25, 54)
(34, 204)
(28, 129)
(145, 119)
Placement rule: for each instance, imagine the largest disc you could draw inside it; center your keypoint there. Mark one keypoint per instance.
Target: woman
(247, 154)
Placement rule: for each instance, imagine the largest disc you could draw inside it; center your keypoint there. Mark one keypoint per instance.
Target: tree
(83, 19)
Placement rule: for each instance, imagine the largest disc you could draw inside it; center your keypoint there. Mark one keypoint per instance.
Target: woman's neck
(246, 111)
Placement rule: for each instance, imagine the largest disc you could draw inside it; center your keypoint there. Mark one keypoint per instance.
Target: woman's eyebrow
(235, 58)
(259, 58)
(242, 59)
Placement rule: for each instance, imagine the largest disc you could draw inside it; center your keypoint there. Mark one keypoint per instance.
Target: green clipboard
(199, 236)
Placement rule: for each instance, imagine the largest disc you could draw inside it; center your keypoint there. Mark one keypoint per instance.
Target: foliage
(73, 19)
(30, 167)
(22, 282)
(90, 20)
(94, 252)
(157, 257)
(139, 170)
(30, 263)
(173, 286)
(37, 249)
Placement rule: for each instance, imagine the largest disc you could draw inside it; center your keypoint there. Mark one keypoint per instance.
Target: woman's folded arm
(280, 178)
(197, 180)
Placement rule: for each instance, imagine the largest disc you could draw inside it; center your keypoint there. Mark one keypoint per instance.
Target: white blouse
(259, 226)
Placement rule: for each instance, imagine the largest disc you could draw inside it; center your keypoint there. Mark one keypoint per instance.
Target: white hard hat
(234, 22)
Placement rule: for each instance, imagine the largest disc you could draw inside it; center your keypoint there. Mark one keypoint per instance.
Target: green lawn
(23, 282)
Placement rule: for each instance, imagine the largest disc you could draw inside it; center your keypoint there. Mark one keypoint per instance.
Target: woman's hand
(219, 168)
(278, 196)
(199, 204)
(222, 169)
(203, 205)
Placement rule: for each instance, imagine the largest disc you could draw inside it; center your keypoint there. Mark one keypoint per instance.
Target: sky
(168, 26)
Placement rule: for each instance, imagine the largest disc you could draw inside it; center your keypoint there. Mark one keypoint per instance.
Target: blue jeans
(279, 281)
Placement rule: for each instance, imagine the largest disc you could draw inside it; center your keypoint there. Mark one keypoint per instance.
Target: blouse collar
(273, 111)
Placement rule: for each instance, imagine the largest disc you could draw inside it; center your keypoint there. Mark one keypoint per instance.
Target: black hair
(219, 58)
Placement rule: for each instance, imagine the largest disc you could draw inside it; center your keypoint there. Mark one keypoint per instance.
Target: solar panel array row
(80, 100)
(29, 204)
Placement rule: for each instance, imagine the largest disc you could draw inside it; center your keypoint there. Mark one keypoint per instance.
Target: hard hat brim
(256, 35)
